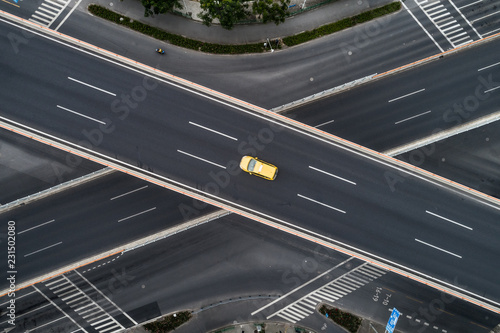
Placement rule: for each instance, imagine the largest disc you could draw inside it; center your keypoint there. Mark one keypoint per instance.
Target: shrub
(168, 323)
(342, 24)
(344, 319)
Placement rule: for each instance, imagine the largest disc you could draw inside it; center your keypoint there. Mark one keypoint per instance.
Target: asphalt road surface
(90, 219)
(27, 167)
(322, 187)
(227, 270)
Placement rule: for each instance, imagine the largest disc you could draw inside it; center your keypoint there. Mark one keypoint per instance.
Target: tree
(271, 11)
(228, 12)
(159, 6)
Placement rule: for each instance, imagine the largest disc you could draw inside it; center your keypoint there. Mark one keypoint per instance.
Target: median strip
(197, 45)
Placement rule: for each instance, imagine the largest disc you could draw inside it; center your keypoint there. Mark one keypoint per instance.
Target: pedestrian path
(48, 12)
(445, 22)
(331, 292)
(89, 303)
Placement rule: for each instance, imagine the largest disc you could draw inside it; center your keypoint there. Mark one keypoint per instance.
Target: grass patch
(173, 38)
(168, 323)
(342, 24)
(344, 319)
(242, 48)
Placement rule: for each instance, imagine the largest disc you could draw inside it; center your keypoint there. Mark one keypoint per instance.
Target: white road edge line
(421, 26)
(330, 174)
(201, 159)
(124, 194)
(480, 69)
(485, 16)
(300, 287)
(412, 93)
(438, 248)
(45, 248)
(66, 17)
(470, 4)
(418, 115)
(211, 130)
(320, 203)
(490, 32)
(91, 86)
(140, 213)
(446, 219)
(20, 232)
(81, 115)
(491, 89)
(325, 123)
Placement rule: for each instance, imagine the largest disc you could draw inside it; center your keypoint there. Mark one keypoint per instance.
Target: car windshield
(251, 165)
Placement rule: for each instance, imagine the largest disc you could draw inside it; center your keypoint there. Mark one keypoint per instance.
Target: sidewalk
(240, 34)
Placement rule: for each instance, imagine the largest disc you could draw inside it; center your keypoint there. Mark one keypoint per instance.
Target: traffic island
(168, 323)
(348, 321)
(197, 45)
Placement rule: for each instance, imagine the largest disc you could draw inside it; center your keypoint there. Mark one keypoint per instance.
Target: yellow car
(257, 167)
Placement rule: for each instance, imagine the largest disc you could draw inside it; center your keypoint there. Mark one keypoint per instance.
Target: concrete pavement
(244, 33)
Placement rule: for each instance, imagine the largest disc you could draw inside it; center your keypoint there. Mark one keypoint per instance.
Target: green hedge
(344, 319)
(342, 24)
(239, 49)
(172, 38)
(168, 323)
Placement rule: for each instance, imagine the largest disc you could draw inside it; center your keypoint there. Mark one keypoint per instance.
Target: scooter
(160, 51)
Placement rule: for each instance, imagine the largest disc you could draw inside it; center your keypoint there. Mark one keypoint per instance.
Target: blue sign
(393, 319)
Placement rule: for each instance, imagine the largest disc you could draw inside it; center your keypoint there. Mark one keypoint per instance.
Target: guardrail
(324, 93)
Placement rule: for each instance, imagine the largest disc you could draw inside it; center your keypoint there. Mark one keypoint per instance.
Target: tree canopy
(152, 7)
(271, 11)
(228, 12)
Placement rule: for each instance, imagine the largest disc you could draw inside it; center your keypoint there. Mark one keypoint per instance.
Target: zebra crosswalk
(445, 22)
(332, 291)
(48, 12)
(88, 303)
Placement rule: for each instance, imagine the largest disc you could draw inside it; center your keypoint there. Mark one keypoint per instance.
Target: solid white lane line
(438, 248)
(481, 69)
(45, 248)
(201, 159)
(418, 115)
(91, 86)
(211, 130)
(70, 12)
(484, 17)
(20, 232)
(490, 32)
(131, 216)
(421, 26)
(330, 174)
(81, 115)
(124, 194)
(320, 203)
(446, 219)
(325, 123)
(470, 4)
(491, 89)
(415, 92)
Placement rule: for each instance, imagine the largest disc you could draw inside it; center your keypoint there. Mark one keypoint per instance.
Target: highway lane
(470, 158)
(27, 167)
(413, 104)
(157, 134)
(210, 267)
(270, 80)
(90, 219)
